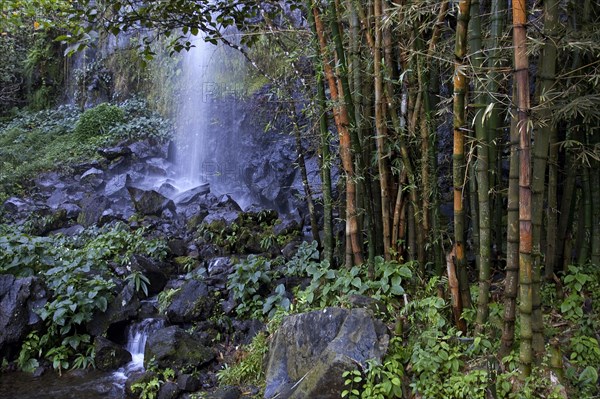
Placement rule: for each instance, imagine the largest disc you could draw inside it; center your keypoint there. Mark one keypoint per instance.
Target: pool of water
(77, 384)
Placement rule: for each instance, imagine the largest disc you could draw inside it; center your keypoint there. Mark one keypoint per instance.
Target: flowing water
(82, 384)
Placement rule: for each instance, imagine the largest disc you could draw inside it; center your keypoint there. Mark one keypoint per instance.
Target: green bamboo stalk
(547, 73)
(325, 153)
(458, 168)
(482, 171)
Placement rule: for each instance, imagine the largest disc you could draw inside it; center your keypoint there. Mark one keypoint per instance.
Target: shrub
(98, 120)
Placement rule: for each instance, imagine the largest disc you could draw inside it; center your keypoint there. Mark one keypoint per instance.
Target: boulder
(92, 208)
(192, 195)
(116, 186)
(115, 152)
(109, 356)
(176, 348)
(123, 307)
(188, 383)
(15, 205)
(168, 390)
(310, 352)
(19, 298)
(93, 177)
(191, 303)
(155, 272)
(226, 392)
(149, 202)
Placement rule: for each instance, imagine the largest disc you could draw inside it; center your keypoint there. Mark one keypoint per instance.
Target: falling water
(207, 133)
(193, 124)
(136, 342)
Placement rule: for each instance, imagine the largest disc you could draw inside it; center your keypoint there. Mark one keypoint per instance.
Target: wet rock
(116, 186)
(155, 272)
(19, 298)
(167, 189)
(191, 303)
(149, 202)
(168, 390)
(177, 247)
(146, 149)
(93, 177)
(246, 330)
(92, 208)
(72, 210)
(227, 392)
(176, 348)
(109, 356)
(156, 167)
(188, 383)
(115, 152)
(140, 377)
(15, 205)
(58, 198)
(192, 195)
(123, 307)
(69, 231)
(310, 351)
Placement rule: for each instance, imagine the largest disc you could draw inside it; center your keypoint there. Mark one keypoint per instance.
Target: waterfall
(207, 136)
(192, 118)
(137, 335)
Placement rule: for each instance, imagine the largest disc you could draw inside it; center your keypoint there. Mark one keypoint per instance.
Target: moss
(98, 121)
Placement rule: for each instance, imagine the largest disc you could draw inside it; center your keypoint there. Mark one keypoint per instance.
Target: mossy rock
(175, 348)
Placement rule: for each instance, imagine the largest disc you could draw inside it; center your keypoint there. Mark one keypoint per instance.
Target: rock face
(176, 348)
(109, 356)
(123, 307)
(310, 352)
(191, 303)
(19, 297)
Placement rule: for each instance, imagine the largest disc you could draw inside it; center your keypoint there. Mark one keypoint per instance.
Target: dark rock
(156, 167)
(116, 186)
(115, 152)
(72, 210)
(291, 248)
(246, 330)
(168, 390)
(286, 227)
(227, 392)
(219, 266)
(58, 198)
(155, 272)
(94, 177)
(177, 246)
(146, 149)
(168, 190)
(69, 231)
(176, 348)
(123, 307)
(48, 182)
(310, 351)
(109, 356)
(92, 208)
(191, 303)
(192, 195)
(188, 383)
(19, 298)
(149, 202)
(139, 377)
(372, 304)
(15, 205)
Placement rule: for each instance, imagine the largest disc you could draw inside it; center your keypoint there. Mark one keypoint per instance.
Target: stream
(82, 384)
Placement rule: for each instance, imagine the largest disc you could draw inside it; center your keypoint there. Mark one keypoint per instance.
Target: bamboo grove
(517, 83)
